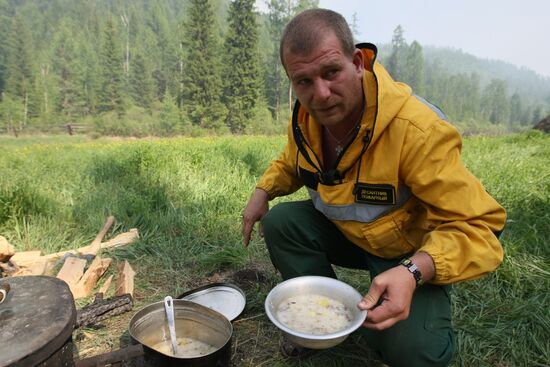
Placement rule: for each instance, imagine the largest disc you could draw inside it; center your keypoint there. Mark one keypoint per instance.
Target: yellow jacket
(412, 191)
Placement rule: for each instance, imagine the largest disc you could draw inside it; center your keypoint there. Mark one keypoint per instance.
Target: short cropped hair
(309, 28)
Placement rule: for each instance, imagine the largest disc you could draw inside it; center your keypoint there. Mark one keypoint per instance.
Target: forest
(196, 67)
(205, 77)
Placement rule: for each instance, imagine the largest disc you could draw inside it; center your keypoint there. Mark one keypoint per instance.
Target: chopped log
(105, 287)
(88, 281)
(95, 246)
(28, 263)
(55, 255)
(6, 249)
(72, 270)
(50, 267)
(121, 239)
(36, 267)
(23, 258)
(102, 309)
(125, 280)
(110, 358)
(117, 241)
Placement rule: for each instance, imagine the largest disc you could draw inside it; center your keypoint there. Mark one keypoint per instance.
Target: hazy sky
(510, 30)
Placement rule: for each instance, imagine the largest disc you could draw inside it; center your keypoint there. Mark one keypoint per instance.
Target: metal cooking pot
(37, 318)
(149, 327)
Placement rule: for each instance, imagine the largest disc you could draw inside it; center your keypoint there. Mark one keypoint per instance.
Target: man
(389, 193)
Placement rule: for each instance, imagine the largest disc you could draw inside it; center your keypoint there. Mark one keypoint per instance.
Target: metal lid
(37, 318)
(226, 298)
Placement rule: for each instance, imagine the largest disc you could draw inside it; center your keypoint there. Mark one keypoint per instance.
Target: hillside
(522, 80)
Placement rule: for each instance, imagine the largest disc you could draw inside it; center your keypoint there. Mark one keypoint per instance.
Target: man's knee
(420, 352)
(276, 218)
(289, 219)
(403, 349)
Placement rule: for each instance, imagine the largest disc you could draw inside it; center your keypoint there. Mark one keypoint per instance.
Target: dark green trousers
(302, 241)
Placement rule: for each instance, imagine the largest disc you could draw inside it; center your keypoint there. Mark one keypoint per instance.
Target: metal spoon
(169, 307)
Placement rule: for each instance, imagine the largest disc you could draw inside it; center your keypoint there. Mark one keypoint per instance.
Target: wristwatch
(413, 269)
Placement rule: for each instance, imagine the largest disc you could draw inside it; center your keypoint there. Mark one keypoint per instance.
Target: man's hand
(256, 208)
(390, 295)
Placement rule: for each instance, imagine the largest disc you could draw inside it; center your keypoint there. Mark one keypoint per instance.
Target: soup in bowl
(315, 312)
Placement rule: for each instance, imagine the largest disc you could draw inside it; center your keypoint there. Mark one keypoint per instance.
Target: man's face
(328, 84)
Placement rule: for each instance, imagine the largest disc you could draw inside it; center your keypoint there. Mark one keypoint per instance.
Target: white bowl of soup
(315, 312)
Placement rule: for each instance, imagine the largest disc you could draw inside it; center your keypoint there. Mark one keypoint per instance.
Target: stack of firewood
(82, 268)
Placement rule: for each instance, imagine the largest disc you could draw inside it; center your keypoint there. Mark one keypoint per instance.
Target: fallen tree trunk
(102, 309)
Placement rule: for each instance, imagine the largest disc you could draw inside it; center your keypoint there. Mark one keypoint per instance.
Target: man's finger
(247, 231)
(372, 298)
(261, 230)
(380, 325)
(368, 302)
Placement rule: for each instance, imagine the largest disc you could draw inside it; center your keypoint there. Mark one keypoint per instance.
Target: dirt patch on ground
(249, 278)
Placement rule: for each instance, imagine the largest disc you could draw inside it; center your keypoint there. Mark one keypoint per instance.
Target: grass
(185, 195)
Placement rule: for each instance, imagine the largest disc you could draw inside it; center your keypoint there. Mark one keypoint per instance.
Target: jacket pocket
(385, 235)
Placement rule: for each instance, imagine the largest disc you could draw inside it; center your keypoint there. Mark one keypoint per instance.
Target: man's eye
(304, 82)
(331, 73)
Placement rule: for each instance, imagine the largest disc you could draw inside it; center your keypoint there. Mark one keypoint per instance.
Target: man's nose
(321, 90)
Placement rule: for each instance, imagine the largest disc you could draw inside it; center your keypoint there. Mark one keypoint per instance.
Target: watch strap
(413, 269)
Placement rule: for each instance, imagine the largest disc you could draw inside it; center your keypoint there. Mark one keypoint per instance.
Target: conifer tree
(66, 67)
(42, 98)
(142, 87)
(90, 76)
(495, 102)
(18, 68)
(170, 117)
(354, 26)
(414, 68)
(241, 68)
(434, 83)
(11, 113)
(472, 96)
(111, 92)
(516, 109)
(202, 83)
(19, 71)
(277, 84)
(398, 53)
(4, 31)
(165, 67)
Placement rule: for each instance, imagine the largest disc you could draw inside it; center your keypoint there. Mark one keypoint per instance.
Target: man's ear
(358, 61)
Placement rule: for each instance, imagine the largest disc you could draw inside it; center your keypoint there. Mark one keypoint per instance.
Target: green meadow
(186, 195)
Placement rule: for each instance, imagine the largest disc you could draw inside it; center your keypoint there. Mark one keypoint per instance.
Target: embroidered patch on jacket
(377, 194)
